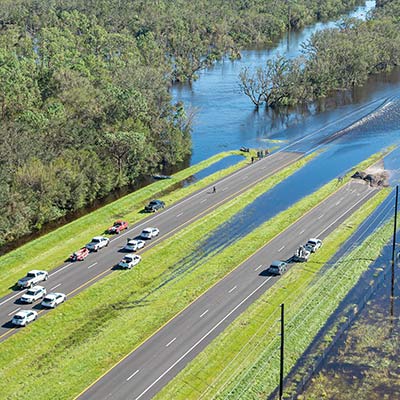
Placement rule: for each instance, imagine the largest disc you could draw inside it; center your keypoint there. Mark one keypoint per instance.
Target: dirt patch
(375, 175)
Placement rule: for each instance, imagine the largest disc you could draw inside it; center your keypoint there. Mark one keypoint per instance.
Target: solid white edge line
(130, 377)
(202, 338)
(13, 312)
(55, 287)
(204, 313)
(56, 272)
(170, 342)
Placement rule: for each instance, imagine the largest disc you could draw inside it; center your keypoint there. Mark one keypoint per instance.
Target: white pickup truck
(32, 278)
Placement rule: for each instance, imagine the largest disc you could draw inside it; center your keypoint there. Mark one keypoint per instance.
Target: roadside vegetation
(79, 341)
(333, 60)
(84, 101)
(51, 250)
(243, 362)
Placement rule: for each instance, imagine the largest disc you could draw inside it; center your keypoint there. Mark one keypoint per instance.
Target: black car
(154, 206)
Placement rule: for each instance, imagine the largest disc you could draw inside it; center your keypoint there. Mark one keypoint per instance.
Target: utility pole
(282, 351)
(288, 32)
(393, 257)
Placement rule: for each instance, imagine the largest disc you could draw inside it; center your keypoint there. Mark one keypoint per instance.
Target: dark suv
(154, 206)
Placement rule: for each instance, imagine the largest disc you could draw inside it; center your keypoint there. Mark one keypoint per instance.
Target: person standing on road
(214, 189)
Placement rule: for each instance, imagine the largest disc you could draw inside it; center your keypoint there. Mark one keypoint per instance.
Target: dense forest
(333, 59)
(84, 95)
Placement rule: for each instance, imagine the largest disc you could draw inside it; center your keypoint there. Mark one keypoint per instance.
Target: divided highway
(148, 368)
(71, 278)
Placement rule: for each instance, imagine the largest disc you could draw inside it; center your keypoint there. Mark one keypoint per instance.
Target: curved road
(148, 368)
(71, 278)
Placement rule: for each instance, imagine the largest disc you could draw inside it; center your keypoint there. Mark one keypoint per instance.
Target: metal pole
(393, 255)
(282, 350)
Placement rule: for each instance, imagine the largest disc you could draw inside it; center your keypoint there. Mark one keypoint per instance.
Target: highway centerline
(131, 376)
(13, 312)
(231, 290)
(204, 313)
(202, 338)
(281, 249)
(55, 287)
(56, 272)
(178, 215)
(258, 267)
(92, 265)
(170, 342)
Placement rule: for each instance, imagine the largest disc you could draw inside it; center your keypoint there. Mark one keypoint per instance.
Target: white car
(33, 294)
(149, 233)
(134, 244)
(97, 243)
(313, 245)
(52, 300)
(22, 318)
(129, 261)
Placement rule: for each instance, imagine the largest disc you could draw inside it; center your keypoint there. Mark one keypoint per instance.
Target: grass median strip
(73, 345)
(52, 249)
(243, 362)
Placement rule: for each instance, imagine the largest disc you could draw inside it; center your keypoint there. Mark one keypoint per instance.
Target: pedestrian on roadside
(252, 159)
(214, 189)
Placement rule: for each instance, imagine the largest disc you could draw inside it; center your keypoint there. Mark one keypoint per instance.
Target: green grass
(52, 249)
(243, 362)
(74, 344)
(89, 325)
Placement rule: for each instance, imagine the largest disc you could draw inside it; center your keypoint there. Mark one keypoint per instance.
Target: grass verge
(243, 362)
(73, 345)
(52, 249)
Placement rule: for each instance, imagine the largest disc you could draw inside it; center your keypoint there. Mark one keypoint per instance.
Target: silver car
(149, 233)
(22, 318)
(134, 244)
(52, 300)
(129, 261)
(97, 243)
(33, 294)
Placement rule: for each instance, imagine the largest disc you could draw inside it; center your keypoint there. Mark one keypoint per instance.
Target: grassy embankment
(243, 362)
(74, 344)
(52, 249)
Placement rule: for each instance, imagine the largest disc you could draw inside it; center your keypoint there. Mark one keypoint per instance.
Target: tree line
(84, 100)
(332, 60)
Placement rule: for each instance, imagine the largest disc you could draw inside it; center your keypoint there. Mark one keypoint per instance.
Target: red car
(118, 227)
(79, 255)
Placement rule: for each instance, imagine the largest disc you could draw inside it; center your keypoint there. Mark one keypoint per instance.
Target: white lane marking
(301, 232)
(91, 266)
(59, 270)
(130, 377)
(338, 218)
(258, 267)
(204, 313)
(203, 200)
(230, 291)
(170, 342)
(321, 216)
(338, 202)
(202, 338)
(178, 215)
(10, 298)
(245, 177)
(55, 287)
(281, 249)
(225, 188)
(13, 312)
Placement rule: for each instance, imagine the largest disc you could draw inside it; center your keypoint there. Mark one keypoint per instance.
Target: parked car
(118, 227)
(149, 233)
(154, 206)
(130, 261)
(313, 245)
(32, 278)
(79, 255)
(33, 294)
(98, 243)
(52, 300)
(277, 267)
(134, 244)
(301, 255)
(23, 317)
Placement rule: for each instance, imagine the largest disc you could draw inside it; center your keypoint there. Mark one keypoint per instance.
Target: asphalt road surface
(71, 278)
(147, 369)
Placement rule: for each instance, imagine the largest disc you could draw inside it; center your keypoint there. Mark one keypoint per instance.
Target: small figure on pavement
(252, 160)
(214, 190)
